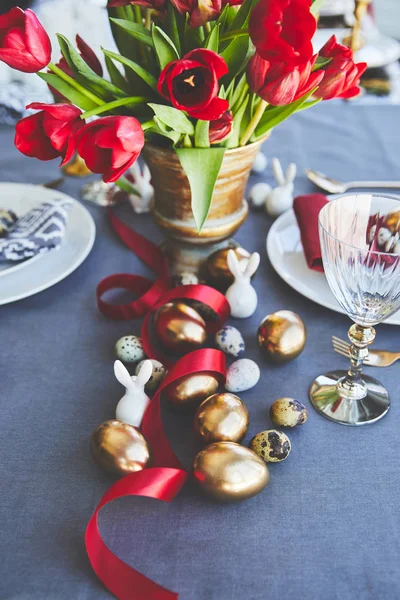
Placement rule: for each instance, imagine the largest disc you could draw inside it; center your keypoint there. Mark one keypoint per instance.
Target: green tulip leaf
(164, 47)
(242, 17)
(140, 71)
(135, 30)
(201, 134)
(321, 62)
(68, 91)
(233, 140)
(235, 55)
(316, 6)
(212, 40)
(172, 23)
(115, 75)
(202, 166)
(81, 68)
(173, 118)
(274, 115)
(239, 93)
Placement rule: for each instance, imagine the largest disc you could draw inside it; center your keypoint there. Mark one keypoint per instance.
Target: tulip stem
(112, 105)
(254, 122)
(85, 92)
(230, 35)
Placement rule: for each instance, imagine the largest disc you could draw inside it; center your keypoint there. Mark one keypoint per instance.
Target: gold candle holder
(355, 41)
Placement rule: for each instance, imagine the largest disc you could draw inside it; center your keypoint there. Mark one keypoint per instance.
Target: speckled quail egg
(205, 311)
(158, 374)
(242, 375)
(129, 349)
(287, 412)
(230, 340)
(271, 445)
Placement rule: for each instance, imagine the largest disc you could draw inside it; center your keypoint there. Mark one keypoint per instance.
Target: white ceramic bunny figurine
(141, 203)
(241, 295)
(132, 406)
(281, 197)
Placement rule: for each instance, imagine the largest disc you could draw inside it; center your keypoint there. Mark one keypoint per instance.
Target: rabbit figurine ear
(278, 172)
(145, 373)
(233, 264)
(253, 264)
(122, 374)
(291, 172)
(146, 173)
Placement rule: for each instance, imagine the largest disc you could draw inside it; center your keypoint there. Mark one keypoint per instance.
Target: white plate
(40, 273)
(287, 257)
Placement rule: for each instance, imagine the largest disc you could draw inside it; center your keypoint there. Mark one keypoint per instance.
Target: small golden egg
(218, 272)
(119, 448)
(179, 327)
(188, 392)
(287, 412)
(392, 222)
(282, 336)
(221, 418)
(271, 445)
(230, 472)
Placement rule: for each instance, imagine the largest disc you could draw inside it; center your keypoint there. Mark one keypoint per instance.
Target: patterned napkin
(40, 230)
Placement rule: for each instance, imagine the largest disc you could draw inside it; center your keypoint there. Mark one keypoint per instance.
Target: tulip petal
(89, 56)
(209, 59)
(30, 140)
(37, 40)
(213, 111)
(14, 18)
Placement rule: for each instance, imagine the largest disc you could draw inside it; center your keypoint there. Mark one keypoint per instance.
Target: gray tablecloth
(327, 526)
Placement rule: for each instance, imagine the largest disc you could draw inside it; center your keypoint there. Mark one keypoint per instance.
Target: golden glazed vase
(185, 247)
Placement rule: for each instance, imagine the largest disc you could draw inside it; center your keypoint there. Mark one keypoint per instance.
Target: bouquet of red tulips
(198, 75)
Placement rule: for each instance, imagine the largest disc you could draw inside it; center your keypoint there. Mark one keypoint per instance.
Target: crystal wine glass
(360, 243)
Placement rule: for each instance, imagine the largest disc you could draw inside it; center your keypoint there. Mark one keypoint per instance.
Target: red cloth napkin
(307, 209)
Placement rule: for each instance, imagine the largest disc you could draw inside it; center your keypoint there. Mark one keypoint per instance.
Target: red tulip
(200, 11)
(280, 83)
(90, 59)
(191, 84)
(158, 5)
(50, 133)
(283, 29)
(341, 76)
(110, 145)
(221, 128)
(24, 44)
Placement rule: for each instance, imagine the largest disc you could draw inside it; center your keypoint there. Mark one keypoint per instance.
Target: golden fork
(375, 358)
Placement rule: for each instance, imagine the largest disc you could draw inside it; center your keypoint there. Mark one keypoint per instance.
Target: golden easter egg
(271, 445)
(282, 336)
(179, 327)
(230, 472)
(287, 412)
(189, 391)
(218, 273)
(119, 448)
(392, 222)
(221, 418)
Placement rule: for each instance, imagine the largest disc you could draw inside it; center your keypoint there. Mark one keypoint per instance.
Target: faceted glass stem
(352, 385)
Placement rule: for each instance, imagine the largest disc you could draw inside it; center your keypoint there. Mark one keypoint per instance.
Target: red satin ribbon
(207, 360)
(118, 577)
(165, 479)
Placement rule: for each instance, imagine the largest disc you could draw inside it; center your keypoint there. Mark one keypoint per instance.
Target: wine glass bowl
(360, 244)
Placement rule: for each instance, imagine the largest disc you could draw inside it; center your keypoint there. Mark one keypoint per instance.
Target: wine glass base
(326, 400)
